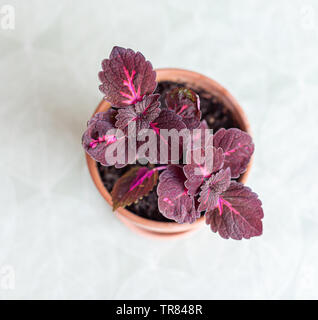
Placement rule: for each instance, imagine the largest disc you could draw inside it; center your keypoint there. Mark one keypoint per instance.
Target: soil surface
(216, 116)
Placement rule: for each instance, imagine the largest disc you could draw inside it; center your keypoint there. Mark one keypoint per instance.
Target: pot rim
(210, 85)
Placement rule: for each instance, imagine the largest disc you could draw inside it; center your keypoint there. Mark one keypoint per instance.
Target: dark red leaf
(204, 124)
(185, 103)
(126, 77)
(174, 201)
(166, 120)
(133, 185)
(238, 214)
(108, 116)
(238, 148)
(212, 189)
(201, 137)
(141, 114)
(96, 138)
(196, 172)
(102, 134)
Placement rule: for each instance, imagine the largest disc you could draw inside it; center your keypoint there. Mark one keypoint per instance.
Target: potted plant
(171, 193)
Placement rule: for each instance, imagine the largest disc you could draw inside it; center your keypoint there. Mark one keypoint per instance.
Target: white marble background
(60, 240)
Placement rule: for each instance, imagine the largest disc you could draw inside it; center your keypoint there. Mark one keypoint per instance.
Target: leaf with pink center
(186, 103)
(197, 172)
(96, 138)
(200, 164)
(166, 121)
(133, 185)
(212, 189)
(100, 134)
(238, 148)
(238, 214)
(174, 202)
(126, 77)
(141, 114)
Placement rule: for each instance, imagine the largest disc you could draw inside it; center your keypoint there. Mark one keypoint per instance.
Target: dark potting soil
(215, 114)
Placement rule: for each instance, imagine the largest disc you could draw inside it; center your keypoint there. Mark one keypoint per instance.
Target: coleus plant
(185, 191)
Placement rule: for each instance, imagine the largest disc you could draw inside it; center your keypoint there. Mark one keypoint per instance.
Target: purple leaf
(196, 173)
(166, 120)
(185, 103)
(108, 116)
(174, 201)
(212, 189)
(141, 114)
(238, 214)
(204, 124)
(95, 139)
(101, 134)
(133, 185)
(201, 137)
(126, 77)
(238, 148)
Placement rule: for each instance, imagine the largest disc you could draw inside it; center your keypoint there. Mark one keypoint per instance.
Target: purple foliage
(185, 191)
(167, 120)
(95, 140)
(238, 213)
(174, 201)
(142, 114)
(126, 77)
(186, 103)
(133, 185)
(238, 148)
(212, 189)
(197, 173)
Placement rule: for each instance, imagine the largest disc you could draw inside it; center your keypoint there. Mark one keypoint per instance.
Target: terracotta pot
(171, 229)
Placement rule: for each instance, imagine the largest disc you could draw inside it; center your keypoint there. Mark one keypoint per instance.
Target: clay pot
(172, 229)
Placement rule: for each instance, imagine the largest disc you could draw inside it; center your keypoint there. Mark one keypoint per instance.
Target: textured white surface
(56, 232)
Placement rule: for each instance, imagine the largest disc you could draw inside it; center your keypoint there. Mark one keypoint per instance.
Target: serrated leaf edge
(136, 201)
